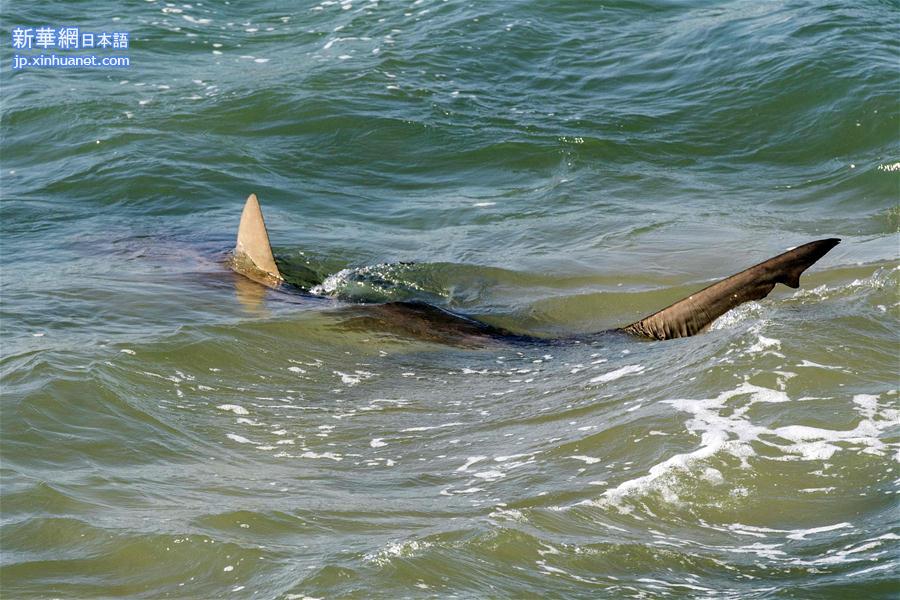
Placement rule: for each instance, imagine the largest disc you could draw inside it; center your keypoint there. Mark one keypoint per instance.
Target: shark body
(253, 258)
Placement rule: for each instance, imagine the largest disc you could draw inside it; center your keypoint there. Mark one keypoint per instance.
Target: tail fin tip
(808, 254)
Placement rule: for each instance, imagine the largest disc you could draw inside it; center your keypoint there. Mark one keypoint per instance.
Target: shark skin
(252, 255)
(689, 316)
(694, 314)
(427, 323)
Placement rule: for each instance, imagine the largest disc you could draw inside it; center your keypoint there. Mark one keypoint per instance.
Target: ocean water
(170, 430)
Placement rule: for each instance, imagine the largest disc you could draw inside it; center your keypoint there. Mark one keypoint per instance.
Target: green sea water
(170, 430)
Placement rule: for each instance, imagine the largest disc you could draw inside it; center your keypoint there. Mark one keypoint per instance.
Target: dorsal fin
(253, 254)
(697, 312)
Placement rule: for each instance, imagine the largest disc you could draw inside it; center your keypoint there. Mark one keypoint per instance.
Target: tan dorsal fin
(697, 312)
(253, 249)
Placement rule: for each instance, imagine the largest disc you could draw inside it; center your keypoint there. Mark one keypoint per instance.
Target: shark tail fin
(253, 256)
(697, 312)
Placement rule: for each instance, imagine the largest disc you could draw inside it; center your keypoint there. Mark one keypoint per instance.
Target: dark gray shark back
(695, 313)
(253, 258)
(428, 323)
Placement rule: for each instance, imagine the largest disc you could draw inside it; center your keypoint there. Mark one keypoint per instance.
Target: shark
(253, 258)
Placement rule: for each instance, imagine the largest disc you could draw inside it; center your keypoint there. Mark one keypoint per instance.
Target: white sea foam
(512, 514)
(766, 345)
(351, 379)
(868, 405)
(800, 534)
(328, 455)
(724, 426)
(590, 460)
(404, 549)
(815, 490)
(195, 20)
(848, 554)
(736, 315)
(613, 375)
(331, 283)
(450, 491)
(235, 408)
(411, 429)
(490, 475)
(769, 551)
(809, 363)
(514, 456)
(471, 461)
